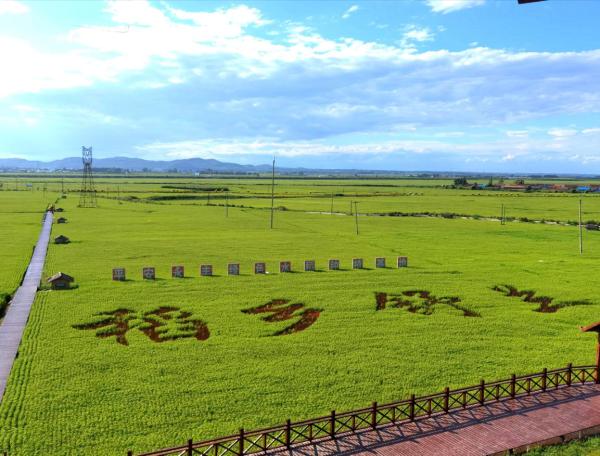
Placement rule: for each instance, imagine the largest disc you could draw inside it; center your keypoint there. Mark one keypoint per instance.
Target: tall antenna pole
(331, 211)
(272, 192)
(87, 195)
(580, 230)
(356, 215)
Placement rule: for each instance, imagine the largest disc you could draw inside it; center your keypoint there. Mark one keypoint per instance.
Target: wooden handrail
(416, 408)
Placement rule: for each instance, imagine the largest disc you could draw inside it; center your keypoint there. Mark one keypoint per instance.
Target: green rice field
(138, 365)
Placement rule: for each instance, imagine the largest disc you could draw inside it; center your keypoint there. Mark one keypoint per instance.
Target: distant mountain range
(205, 165)
(134, 164)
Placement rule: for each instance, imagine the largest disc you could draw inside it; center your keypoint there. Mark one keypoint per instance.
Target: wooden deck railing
(377, 415)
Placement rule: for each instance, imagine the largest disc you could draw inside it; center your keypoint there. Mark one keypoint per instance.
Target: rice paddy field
(20, 221)
(142, 364)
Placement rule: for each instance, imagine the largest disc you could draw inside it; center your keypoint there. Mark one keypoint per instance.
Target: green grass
(74, 393)
(587, 447)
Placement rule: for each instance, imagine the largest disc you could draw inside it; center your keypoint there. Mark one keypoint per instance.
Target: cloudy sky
(477, 85)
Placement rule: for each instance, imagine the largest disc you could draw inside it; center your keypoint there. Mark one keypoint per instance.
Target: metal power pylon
(87, 195)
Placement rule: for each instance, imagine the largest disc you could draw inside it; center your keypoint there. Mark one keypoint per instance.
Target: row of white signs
(259, 268)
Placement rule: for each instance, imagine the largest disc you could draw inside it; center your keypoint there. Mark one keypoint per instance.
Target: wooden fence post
(446, 399)
(569, 373)
(513, 385)
(190, 448)
(544, 378)
(482, 392)
(288, 433)
(332, 425)
(411, 410)
(374, 415)
(241, 452)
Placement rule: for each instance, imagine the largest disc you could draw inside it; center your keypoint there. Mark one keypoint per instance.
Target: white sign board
(149, 273)
(206, 270)
(177, 272)
(118, 274)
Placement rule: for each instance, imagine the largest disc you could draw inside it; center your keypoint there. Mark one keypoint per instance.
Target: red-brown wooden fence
(377, 415)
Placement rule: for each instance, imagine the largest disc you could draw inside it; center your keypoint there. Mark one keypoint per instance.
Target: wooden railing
(377, 415)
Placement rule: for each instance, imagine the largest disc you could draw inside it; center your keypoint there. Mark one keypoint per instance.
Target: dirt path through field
(13, 325)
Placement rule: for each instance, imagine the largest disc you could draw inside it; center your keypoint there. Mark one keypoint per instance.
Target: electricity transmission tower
(87, 195)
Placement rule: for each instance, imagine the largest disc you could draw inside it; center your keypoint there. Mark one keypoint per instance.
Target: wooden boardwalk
(499, 428)
(11, 328)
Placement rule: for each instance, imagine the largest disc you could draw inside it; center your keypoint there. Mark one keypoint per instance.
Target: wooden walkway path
(505, 427)
(11, 328)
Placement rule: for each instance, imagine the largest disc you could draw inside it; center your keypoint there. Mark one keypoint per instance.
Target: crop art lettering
(280, 310)
(160, 325)
(545, 303)
(420, 301)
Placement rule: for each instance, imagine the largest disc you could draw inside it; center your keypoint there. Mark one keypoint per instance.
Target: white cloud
(560, 133)
(414, 34)
(13, 7)
(349, 11)
(591, 131)
(496, 151)
(448, 6)
(517, 133)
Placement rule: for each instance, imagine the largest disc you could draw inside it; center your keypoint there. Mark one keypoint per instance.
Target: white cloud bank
(220, 75)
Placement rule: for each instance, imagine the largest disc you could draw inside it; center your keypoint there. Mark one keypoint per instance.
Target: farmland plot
(139, 364)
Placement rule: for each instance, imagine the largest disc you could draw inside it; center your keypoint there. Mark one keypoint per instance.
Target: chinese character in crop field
(160, 325)
(545, 303)
(281, 310)
(420, 301)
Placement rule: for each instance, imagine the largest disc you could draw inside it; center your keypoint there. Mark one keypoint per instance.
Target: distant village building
(61, 239)
(60, 281)
(61, 220)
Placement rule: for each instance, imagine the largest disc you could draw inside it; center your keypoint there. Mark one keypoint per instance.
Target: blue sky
(470, 85)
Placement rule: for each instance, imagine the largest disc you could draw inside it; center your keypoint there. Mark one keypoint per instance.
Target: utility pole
(272, 192)
(356, 215)
(580, 230)
(331, 211)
